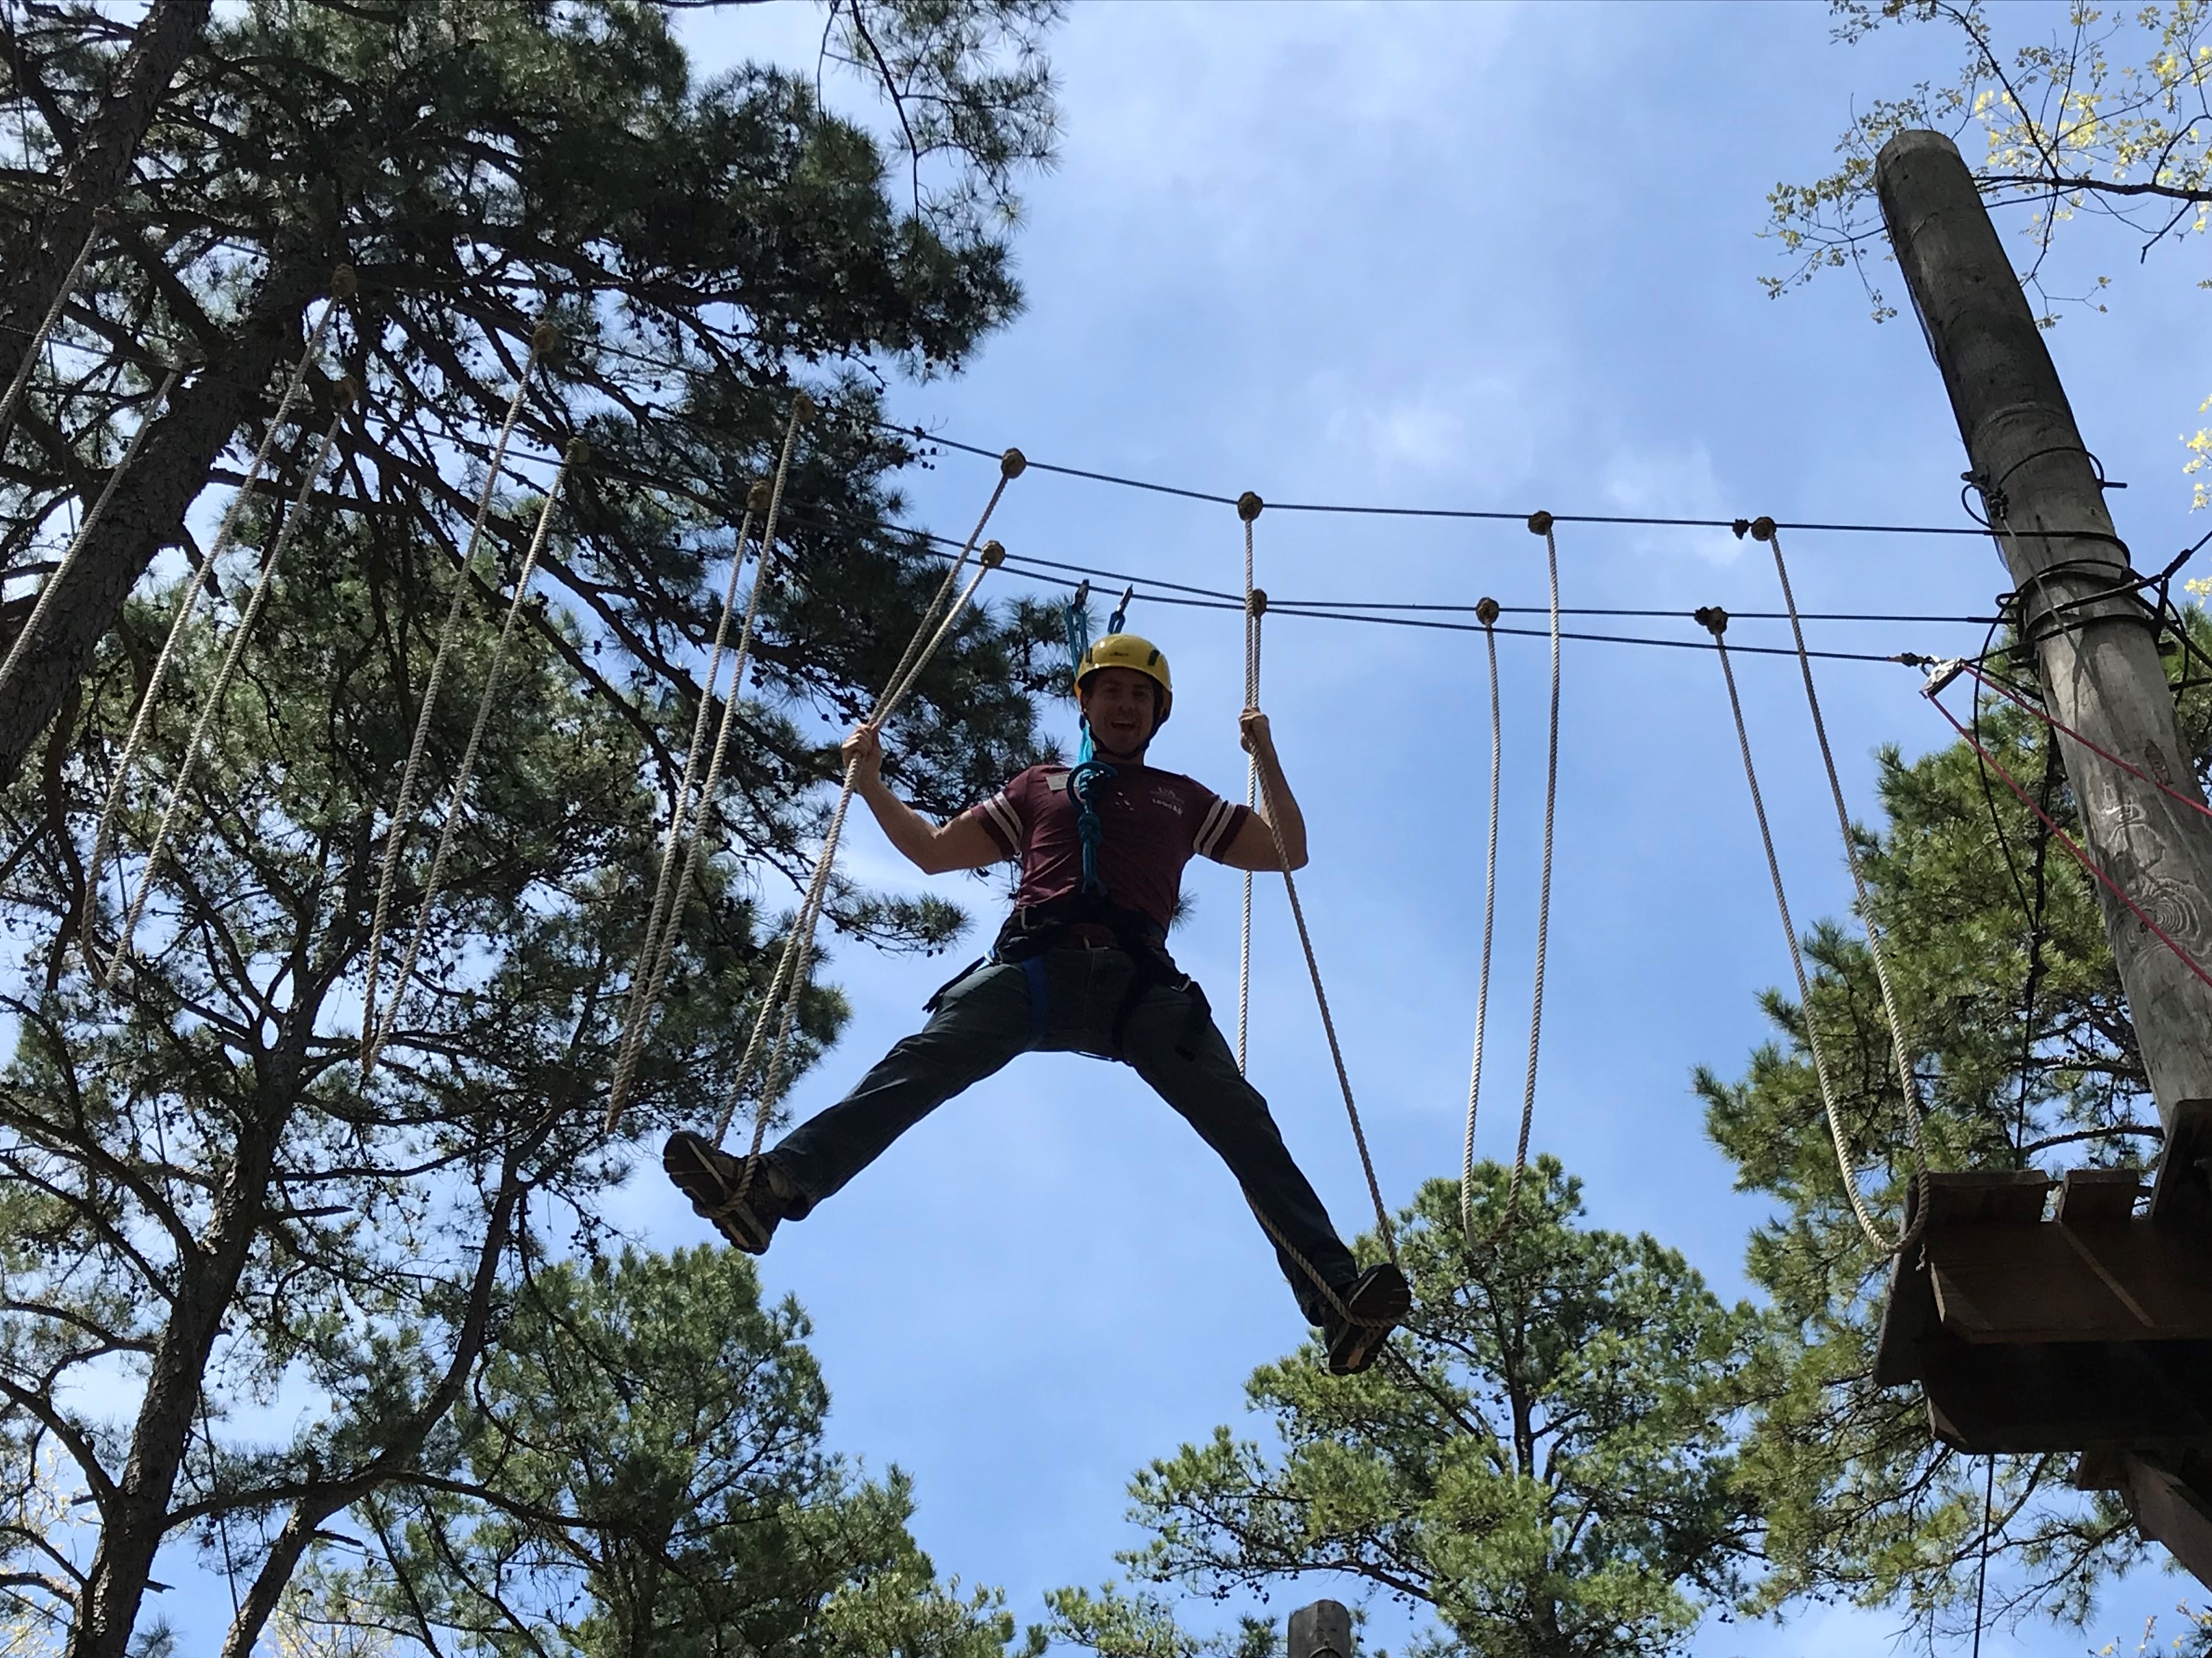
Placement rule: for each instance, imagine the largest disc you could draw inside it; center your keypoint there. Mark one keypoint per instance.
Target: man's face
(1119, 703)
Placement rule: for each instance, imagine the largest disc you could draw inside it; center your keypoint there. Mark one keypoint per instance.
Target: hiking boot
(1376, 1300)
(712, 1179)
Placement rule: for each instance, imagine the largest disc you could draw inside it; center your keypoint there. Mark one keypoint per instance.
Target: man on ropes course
(1080, 965)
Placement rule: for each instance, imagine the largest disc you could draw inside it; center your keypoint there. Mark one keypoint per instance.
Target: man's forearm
(907, 829)
(1281, 808)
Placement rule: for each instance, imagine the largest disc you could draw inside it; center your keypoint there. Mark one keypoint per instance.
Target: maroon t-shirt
(1154, 821)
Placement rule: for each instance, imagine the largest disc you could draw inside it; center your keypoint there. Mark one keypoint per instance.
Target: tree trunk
(148, 511)
(98, 168)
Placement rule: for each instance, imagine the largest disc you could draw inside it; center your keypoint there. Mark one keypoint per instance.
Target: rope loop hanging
(1715, 621)
(12, 400)
(1540, 524)
(376, 1036)
(142, 723)
(1249, 507)
(544, 338)
(767, 1048)
(657, 952)
(1487, 612)
(51, 587)
(180, 785)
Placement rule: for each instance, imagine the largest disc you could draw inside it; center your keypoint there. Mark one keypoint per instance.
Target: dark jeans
(984, 1019)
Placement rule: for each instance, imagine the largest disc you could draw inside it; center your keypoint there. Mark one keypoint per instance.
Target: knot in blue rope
(1083, 783)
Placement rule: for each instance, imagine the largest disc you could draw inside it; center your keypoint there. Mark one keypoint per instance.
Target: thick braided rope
(1540, 524)
(1716, 621)
(1251, 794)
(787, 982)
(1908, 1079)
(573, 455)
(542, 339)
(103, 839)
(180, 785)
(52, 584)
(1487, 612)
(1250, 507)
(657, 951)
(16, 387)
(799, 949)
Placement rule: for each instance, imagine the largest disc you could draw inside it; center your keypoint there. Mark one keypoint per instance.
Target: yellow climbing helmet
(1129, 651)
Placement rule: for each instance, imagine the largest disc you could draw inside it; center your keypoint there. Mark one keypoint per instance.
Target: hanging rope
(16, 387)
(1715, 621)
(544, 338)
(575, 455)
(1540, 524)
(1763, 529)
(780, 1008)
(658, 952)
(103, 839)
(1249, 507)
(1487, 612)
(52, 584)
(217, 693)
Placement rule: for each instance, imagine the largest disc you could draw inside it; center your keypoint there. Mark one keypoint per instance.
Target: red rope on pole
(2075, 846)
(2058, 724)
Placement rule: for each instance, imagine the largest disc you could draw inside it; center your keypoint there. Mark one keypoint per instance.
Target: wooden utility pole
(1322, 1630)
(2096, 650)
(2094, 646)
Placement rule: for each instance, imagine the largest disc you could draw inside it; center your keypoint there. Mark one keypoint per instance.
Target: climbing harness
(543, 339)
(52, 584)
(778, 1010)
(1715, 621)
(1487, 613)
(574, 454)
(103, 839)
(13, 398)
(1249, 507)
(658, 950)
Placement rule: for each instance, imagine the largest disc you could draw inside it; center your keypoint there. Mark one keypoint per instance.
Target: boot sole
(688, 1160)
(1379, 1301)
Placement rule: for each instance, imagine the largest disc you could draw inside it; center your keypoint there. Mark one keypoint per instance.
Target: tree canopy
(202, 1197)
(1547, 1461)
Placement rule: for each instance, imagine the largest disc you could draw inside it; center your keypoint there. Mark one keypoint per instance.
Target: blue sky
(1498, 256)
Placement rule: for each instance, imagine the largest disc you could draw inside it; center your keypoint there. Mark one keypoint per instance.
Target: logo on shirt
(1167, 799)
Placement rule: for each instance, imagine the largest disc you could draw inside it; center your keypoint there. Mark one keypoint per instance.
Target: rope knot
(545, 339)
(992, 556)
(803, 408)
(1540, 524)
(1713, 619)
(1249, 505)
(1762, 529)
(1255, 602)
(344, 283)
(1012, 463)
(1486, 611)
(577, 453)
(756, 498)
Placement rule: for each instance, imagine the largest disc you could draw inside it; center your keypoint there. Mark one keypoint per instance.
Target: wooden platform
(2073, 1316)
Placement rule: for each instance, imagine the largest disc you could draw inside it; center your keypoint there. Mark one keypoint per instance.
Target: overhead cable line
(1736, 526)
